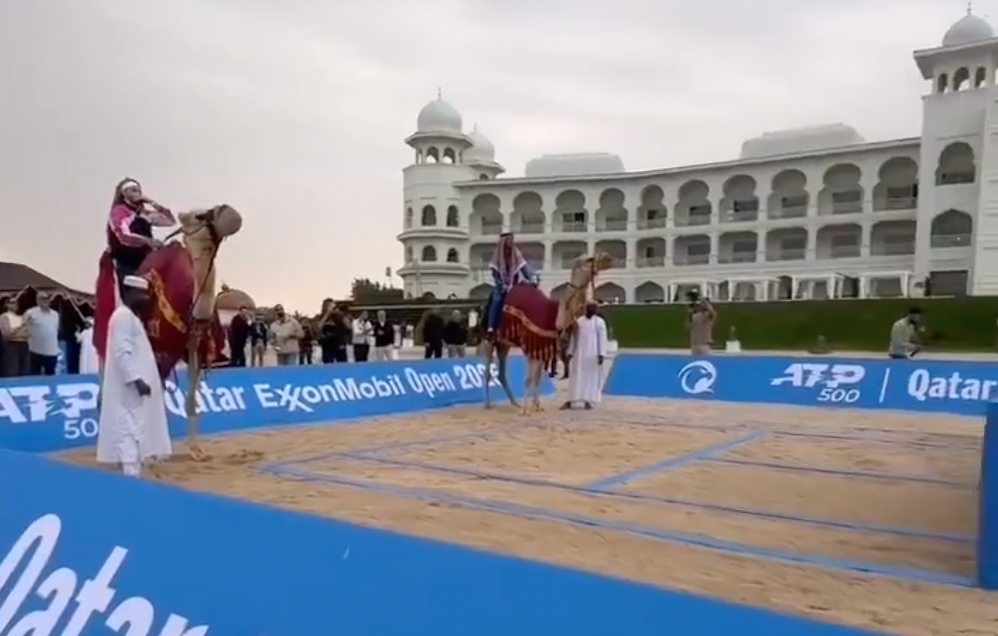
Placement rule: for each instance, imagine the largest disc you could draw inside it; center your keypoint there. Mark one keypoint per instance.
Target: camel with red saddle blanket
(533, 322)
(184, 323)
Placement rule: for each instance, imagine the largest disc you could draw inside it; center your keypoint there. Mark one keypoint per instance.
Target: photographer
(700, 322)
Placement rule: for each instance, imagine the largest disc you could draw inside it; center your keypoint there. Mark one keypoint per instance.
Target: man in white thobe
(586, 352)
(133, 427)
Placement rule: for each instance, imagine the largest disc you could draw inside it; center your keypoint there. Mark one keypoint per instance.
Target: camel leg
(526, 386)
(504, 378)
(536, 380)
(489, 349)
(193, 417)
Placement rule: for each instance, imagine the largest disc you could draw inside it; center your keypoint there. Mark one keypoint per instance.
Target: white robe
(88, 352)
(586, 374)
(132, 428)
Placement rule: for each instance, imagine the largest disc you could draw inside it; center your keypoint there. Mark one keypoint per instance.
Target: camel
(533, 321)
(184, 323)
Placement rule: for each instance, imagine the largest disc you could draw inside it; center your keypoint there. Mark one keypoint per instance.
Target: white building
(813, 212)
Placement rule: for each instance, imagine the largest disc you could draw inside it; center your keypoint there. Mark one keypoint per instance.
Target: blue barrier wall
(987, 516)
(39, 414)
(962, 388)
(94, 551)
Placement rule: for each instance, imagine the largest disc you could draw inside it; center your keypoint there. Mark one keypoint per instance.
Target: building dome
(574, 165)
(967, 30)
(439, 116)
(481, 151)
(799, 140)
(229, 299)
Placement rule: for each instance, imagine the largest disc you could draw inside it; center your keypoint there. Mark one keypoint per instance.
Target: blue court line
(835, 524)
(672, 537)
(677, 462)
(845, 473)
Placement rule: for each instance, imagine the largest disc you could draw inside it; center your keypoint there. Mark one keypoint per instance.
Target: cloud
(295, 111)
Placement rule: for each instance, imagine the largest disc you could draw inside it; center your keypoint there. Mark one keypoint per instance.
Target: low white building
(815, 212)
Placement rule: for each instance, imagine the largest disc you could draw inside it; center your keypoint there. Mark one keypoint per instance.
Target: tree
(367, 291)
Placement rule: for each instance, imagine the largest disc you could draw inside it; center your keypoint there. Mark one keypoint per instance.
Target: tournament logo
(697, 377)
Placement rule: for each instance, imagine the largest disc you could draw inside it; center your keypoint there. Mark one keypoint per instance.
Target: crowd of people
(37, 327)
(336, 336)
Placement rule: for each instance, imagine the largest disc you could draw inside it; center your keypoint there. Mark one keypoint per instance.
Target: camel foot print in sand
(197, 454)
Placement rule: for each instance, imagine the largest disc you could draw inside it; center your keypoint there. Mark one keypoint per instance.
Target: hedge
(964, 324)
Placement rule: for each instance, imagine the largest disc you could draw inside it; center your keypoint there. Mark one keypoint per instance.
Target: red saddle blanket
(529, 321)
(170, 272)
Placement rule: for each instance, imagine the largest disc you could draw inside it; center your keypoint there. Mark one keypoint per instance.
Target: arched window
(452, 255)
(980, 77)
(429, 254)
(956, 164)
(483, 177)
(452, 216)
(942, 83)
(429, 215)
(408, 218)
(961, 78)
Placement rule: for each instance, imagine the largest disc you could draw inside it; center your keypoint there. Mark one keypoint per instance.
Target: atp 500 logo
(72, 404)
(836, 381)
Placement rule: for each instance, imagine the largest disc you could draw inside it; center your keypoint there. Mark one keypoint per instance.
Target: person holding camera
(700, 322)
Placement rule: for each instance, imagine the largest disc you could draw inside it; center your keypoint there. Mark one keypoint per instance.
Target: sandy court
(784, 507)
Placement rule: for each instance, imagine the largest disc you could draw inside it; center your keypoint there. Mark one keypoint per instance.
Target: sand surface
(615, 490)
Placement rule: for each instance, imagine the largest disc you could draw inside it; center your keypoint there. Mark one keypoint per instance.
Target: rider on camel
(509, 268)
(129, 241)
(129, 228)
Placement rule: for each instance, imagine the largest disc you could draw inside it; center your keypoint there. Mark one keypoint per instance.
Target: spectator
(285, 334)
(361, 333)
(239, 335)
(333, 334)
(15, 340)
(433, 334)
(903, 333)
(456, 336)
(259, 335)
(384, 337)
(42, 324)
(700, 322)
(307, 344)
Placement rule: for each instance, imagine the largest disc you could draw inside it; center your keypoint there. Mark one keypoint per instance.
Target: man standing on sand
(586, 353)
(133, 427)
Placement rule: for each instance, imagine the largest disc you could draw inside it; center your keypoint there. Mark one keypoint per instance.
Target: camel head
(204, 229)
(584, 270)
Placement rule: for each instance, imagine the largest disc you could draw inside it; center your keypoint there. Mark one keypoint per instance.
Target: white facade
(813, 212)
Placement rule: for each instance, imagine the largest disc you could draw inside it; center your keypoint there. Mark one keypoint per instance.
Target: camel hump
(534, 305)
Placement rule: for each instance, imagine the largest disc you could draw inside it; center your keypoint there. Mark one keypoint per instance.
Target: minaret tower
(958, 167)
(435, 227)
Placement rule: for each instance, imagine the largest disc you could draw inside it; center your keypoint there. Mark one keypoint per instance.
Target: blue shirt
(43, 331)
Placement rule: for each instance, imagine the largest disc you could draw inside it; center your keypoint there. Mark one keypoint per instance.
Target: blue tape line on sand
(719, 508)
(673, 537)
(845, 473)
(678, 462)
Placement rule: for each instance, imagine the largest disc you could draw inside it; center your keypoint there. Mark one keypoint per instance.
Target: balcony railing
(693, 219)
(895, 203)
(651, 224)
(893, 249)
(956, 178)
(491, 228)
(530, 228)
(740, 217)
(567, 262)
(797, 254)
(651, 261)
(844, 251)
(950, 240)
(612, 225)
(573, 226)
(691, 259)
(788, 213)
(737, 257)
(847, 207)
(536, 265)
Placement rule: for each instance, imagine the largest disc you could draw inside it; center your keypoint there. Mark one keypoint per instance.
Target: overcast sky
(294, 111)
